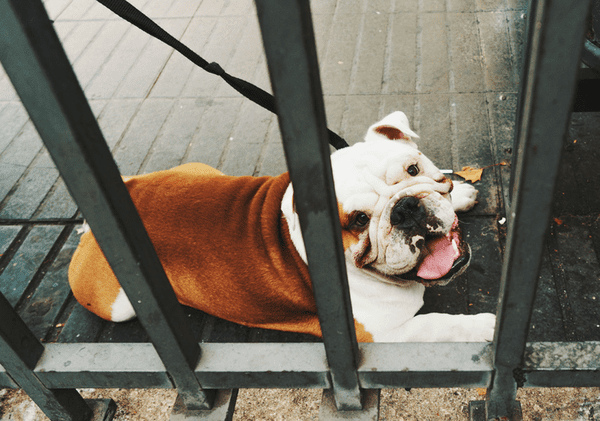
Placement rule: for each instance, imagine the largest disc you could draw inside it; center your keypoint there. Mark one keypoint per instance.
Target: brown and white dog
(232, 246)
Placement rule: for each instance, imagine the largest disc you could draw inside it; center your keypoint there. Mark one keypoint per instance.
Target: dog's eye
(413, 170)
(361, 219)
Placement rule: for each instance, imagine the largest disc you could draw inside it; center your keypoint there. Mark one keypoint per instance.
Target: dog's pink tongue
(441, 254)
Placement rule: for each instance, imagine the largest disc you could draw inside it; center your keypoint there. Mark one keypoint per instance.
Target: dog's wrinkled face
(397, 219)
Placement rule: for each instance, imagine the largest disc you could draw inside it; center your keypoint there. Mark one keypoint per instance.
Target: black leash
(250, 91)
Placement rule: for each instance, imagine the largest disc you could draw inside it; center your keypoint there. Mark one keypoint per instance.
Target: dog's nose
(407, 213)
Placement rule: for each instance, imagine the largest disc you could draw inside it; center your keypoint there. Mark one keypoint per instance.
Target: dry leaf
(470, 174)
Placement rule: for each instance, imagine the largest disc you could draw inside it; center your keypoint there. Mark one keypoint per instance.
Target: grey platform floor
(451, 65)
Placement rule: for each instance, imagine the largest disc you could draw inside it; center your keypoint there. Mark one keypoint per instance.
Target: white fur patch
(293, 221)
(83, 229)
(122, 310)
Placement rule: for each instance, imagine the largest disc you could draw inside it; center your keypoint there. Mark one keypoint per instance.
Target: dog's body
(232, 247)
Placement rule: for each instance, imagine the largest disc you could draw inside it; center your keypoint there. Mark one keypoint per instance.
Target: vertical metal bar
(552, 65)
(40, 71)
(19, 353)
(291, 55)
(596, 19)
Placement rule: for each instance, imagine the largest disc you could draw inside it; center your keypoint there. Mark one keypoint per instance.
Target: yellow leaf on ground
(470, 174)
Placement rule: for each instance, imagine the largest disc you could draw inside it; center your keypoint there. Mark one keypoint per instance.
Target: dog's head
(397, 219)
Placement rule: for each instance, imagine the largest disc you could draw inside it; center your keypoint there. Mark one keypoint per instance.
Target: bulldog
(232, 246)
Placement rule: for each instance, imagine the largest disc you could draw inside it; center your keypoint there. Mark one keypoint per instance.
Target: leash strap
(128, 12)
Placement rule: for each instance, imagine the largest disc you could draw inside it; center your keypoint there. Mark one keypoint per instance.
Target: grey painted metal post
(40, 71)
(19, 353)
(291, 55)
(555, 41)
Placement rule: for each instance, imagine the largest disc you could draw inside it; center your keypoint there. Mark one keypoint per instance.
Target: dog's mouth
(442, 259)
(457, 267)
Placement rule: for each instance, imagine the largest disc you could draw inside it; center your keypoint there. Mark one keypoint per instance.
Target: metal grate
(207, 376)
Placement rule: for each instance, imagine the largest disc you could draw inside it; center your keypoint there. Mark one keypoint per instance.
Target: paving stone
(351, 6)
(31, 191)
(334, 111)
(483, 275)
(578, 261)
(247, 140)
(42, 309)
(177, 70)
(261, 76)
(156, 9)
(273, 162)
(7, 234)
(238, 8)
(7, 91)
(63, 29)
(77, 40)
(215, 130)
(322, 29)
(96, 53)
(174, 139)
(461, 5)
(466, 57)
(517, 22)
(546, 318)
(433, 66)
(401, 6)
(502, 122)
(12, 120)
(17, 156)
(336, 69)
(210, 8)
(246, 57)
(76, 9)
(99, 12)
(58, 203)
(400, 70)
(55, 7)
(367, 73)
(326, 7)
(499, 69)
(115, 68)
(140, 135)
(434, 125)
(183, 8)
(28, 258)
(148, 65)
(490, 4)
(360, 113)
(404, 103)
(379, 7)
(432, 6)
(219, 48)
(472, 143)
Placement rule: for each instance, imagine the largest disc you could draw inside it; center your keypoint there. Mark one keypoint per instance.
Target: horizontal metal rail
(303, 365)
(275, 365)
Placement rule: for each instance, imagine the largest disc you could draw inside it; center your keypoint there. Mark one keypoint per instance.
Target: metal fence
(351, 375)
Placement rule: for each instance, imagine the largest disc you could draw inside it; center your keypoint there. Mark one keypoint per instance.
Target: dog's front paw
(464, 196)
(482, 327)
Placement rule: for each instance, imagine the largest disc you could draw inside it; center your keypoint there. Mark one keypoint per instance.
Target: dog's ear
(393, 127)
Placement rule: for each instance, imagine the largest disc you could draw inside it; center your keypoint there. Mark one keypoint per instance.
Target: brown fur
(224, 245)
